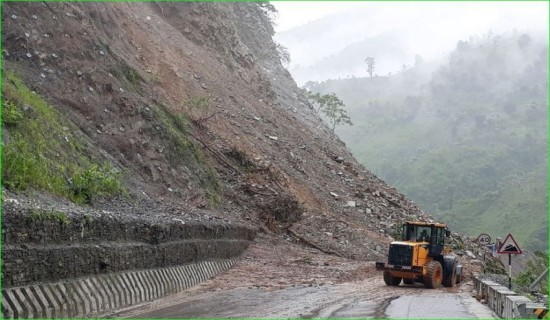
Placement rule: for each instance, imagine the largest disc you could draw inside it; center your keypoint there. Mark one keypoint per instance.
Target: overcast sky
(429, 29)
(296, 13)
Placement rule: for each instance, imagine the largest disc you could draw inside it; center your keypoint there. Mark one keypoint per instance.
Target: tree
(331, 106)
(334, 110)
(283, 54)
(370, 65)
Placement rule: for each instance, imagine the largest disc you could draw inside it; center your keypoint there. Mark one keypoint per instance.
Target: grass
(41, 152)
(128, 75)
(10, 113)
(181, 150)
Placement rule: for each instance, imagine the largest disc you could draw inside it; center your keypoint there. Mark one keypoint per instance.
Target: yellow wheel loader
(421, 257)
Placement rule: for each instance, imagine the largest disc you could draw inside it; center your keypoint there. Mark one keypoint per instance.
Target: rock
(335, 195)
(379, 248)
(328, 234)
(148, 18)
(204, 86)
(351, 204)
(27, 108)
(179, 220)
(101, 52)
(34, 17)
(273, 138)
(369, 211)
(90, 89)
(476, 262)
(470, 254)
(338, 159)
(29, 55)
(14, 17)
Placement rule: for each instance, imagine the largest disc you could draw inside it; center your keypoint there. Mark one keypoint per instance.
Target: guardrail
(506, 303)
(85, 297)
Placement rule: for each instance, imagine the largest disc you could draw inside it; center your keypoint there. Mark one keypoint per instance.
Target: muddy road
(276, 279)
(370, 298)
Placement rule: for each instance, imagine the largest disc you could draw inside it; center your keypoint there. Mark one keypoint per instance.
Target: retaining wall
(506, 303)
(90, 296)
(80, 264)
(46, 246)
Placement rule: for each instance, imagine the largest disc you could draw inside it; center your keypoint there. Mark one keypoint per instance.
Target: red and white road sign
(509, 245)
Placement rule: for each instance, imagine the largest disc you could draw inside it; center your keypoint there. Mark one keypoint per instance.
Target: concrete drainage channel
(94, 295)
(507, 304)
(81, 265)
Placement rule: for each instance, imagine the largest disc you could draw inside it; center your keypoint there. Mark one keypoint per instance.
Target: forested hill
(467, 141)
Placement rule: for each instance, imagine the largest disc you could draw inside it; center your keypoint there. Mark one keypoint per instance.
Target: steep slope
(190, 104)
(156, 120)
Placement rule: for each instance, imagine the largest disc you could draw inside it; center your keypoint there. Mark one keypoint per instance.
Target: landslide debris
(191, 103)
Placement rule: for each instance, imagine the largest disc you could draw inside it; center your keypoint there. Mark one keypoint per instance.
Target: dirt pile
(191, 102)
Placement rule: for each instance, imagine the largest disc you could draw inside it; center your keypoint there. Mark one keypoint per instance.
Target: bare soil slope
(191, 102)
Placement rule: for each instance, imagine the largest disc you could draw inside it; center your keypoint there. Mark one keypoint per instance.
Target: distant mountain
(468, 142)
(389, 50)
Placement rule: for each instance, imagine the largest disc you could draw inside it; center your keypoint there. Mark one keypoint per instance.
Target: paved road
(338, 301)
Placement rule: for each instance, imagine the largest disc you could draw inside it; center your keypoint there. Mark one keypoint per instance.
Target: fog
(454, 114)
(330, 40)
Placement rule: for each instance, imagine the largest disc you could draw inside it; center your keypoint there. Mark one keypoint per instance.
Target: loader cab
(431, 234)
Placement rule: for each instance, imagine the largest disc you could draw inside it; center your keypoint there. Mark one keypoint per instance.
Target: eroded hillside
(189, 106)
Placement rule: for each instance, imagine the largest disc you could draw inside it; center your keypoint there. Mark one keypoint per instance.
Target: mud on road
(277, 279)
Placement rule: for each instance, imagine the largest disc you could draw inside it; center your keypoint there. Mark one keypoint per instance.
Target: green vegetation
(41, 151)
(52, 215)
(535, 268)
(93, 181)
(331, 106)
(199, 109)
(182, 151)
(128, 75)
(467, 141)
(10, 113)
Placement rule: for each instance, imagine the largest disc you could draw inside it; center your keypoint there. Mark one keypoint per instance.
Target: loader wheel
(435, 275)
(391, 280)
(458, 279)
(408, 281)
(450, 279)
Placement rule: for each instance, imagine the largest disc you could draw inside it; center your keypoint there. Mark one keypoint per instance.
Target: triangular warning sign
(509, 246)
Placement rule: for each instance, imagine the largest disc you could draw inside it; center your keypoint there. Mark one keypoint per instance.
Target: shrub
(10, 113)
(93, 182)
(284, 208)
(43, 153)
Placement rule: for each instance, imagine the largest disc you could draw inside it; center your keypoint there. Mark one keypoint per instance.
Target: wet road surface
(337, 301)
